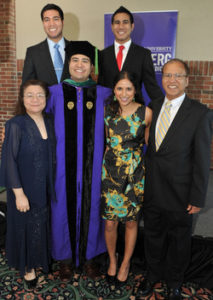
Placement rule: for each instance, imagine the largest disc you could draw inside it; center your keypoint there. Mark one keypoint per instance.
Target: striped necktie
(120, 57)
(163, 125)
(58, 62)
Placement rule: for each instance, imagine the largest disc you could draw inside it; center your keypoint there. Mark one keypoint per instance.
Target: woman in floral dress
(127, 127)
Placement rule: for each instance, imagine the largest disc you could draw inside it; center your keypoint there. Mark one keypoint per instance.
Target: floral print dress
(123, 166)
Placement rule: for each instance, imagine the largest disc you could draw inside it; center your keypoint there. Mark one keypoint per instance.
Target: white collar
(175, 101)
(126, 45)
(61, 43)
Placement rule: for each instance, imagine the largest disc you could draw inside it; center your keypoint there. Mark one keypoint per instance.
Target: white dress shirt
(125, 50)
(175, 105)
(51, 45)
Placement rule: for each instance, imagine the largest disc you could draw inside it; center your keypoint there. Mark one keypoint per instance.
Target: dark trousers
(167, 244)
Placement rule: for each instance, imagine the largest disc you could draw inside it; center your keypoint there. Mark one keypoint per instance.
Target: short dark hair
(186, 67)
(20, 108)
(123, 9)
(50, 7)
(132, 77)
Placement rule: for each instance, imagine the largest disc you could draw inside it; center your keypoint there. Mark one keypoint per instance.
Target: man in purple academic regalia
(78, 107)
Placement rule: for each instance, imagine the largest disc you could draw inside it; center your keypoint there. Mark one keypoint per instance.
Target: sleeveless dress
(123, 166)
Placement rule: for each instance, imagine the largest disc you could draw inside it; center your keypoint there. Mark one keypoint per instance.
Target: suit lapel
(65, 61)
(156, 110)
(182, 113)
(47, 60)
(130, 57)
(112, 58)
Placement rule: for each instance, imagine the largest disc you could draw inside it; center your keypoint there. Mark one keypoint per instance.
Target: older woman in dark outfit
(27, 173)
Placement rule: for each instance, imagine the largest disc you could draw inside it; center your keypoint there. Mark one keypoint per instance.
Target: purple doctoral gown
(62, 241)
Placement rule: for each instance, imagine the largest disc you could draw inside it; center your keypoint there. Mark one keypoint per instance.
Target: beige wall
(84, 19)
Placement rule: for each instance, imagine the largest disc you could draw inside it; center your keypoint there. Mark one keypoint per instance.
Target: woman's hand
(22, 202)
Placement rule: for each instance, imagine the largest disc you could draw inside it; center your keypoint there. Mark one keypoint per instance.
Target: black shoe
(146, 287)
(92, 270)
(65, 271)
(119, 283)
(174, 294)
(110, 279)
(31, 284)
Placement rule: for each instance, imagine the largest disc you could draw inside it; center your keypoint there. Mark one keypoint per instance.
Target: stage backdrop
(154, 30)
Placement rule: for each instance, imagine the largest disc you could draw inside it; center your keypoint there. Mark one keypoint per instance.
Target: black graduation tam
(80, 47)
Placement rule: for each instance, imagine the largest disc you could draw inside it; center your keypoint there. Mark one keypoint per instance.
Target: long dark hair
(114, 105)
(20, 108)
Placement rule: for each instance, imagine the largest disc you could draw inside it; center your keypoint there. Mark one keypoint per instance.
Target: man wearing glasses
(177, 170)
(47, 61)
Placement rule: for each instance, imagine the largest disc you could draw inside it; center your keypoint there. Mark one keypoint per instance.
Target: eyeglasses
(38, 96)
(176, 76)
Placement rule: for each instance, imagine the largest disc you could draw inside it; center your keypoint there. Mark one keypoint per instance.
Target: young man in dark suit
(135, 59)
(40, 59)
(177, 170)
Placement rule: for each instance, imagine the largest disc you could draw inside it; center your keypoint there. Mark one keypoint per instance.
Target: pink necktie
(120, 56)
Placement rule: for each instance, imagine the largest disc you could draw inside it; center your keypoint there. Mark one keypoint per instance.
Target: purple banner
(153, 30)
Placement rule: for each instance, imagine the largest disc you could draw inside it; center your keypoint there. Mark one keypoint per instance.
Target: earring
(133, 99)
(114, 98)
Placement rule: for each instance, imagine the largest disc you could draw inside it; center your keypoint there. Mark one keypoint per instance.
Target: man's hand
(193, 209)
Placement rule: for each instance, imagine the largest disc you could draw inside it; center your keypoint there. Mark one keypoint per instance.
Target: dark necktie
(120, 57)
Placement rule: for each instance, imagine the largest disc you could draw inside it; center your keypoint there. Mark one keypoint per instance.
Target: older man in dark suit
(177, 170)
(47, 60)
(125, 55)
